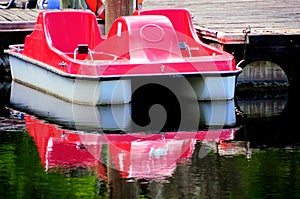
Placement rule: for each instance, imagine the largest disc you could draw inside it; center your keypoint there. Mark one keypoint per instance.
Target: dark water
(245, 148)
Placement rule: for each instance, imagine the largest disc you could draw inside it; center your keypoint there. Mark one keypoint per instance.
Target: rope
(246, 31)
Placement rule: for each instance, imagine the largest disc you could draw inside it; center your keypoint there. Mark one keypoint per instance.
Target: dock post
(116, 8)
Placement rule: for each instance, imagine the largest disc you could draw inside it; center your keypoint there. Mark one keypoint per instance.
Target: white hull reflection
(216, 113)
(115, 117)
(80, 117)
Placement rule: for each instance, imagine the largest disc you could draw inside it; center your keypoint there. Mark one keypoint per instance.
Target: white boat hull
(214, 87)
(100, 91)
(86, 91)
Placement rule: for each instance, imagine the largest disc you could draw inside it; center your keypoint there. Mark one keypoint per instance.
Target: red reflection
(136, 155)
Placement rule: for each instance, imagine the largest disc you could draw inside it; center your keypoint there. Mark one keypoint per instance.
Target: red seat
(179, 17)
(58, 33)
(65, 30)
(147, 38)
(186, 33)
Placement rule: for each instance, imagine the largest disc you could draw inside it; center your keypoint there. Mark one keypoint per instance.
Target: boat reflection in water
(134, 155)
(125, 117)
(103, 137)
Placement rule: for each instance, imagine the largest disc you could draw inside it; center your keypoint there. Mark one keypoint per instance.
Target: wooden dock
(15, 20)
(225, 20)
(219, 18)
(15, 24)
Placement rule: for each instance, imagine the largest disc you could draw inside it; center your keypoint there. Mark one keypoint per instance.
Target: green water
(268, 173)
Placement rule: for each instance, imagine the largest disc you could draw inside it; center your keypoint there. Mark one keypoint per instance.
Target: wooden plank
(13, 20)
(23, 14)
(15, 14)
(232, 16)
(10, 16)
(2, 18)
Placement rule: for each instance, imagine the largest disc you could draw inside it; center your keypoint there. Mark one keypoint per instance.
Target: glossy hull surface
(101, 91)
(79, 90)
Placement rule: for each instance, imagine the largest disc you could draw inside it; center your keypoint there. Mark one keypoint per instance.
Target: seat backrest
(187, 36)
(147, 38)
(179, 17)
(66, 29)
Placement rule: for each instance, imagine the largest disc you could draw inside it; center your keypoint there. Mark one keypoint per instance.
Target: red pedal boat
(66, 56)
